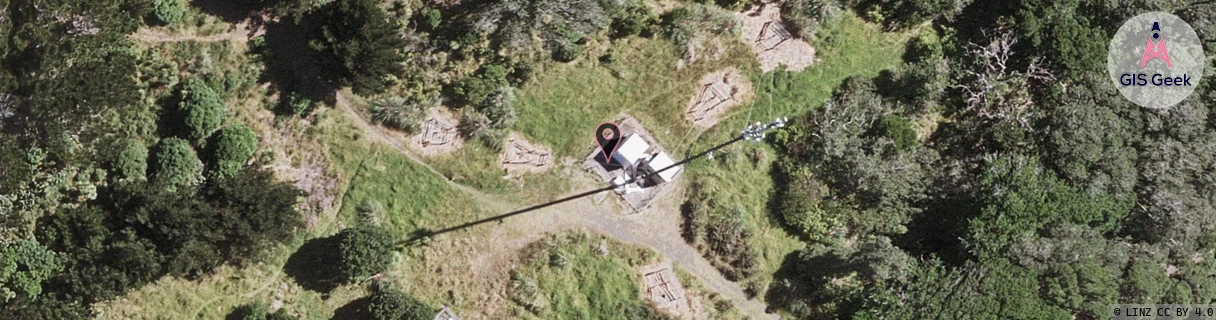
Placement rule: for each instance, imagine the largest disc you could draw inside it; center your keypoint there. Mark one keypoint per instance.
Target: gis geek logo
(1145, 69)
(1156, 51)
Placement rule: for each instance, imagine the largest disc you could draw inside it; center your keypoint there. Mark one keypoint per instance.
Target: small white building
(659, 161)
(631, 151)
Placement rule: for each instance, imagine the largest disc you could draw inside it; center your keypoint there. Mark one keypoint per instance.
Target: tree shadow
(171, 120)
(801, 280)
(244, 312)
(353, 310)
(315, 265)
(293, 67)
(228, 10)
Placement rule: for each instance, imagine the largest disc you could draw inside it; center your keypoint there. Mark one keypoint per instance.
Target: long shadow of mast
(423, 236)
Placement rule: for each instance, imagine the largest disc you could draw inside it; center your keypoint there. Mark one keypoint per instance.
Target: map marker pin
(607, 137)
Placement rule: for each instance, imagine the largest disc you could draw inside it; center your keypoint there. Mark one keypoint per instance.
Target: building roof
(632, 150)
(660, 161)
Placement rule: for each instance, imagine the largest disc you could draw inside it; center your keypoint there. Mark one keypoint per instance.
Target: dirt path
(662, 235)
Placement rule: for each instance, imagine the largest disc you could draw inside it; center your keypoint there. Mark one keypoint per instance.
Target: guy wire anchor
(755, 132)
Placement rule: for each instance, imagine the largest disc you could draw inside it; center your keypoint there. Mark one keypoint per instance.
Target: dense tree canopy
(176, 164)
(202, 109)
(233, 147)
(363, 252)
(360, 45)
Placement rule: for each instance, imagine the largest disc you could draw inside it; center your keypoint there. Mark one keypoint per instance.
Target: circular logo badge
(1155, 59)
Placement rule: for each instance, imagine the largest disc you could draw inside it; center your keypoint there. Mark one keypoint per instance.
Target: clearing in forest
(765, 32)
(717, 93)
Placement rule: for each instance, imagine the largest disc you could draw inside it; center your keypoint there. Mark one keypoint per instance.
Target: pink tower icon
(1155, 51)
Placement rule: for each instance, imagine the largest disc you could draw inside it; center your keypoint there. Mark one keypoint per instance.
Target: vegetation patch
(571, 275)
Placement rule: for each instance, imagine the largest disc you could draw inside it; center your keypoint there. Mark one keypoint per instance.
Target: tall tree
(360, 45)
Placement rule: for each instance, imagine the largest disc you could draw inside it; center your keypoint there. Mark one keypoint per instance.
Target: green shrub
(698, 20)
(633, 20)
(899, 129)
(473, 89)
(567, 52)
(364, 251)
(521, 72)
(176, 164)
(201, 108)
(257, 311)
(234, 146)
(808, 16)
(475, 125)
(168, 11)
(394, 304)
(398, 113)
(298, 105)
(499, 108)
(132, 162)
(428, 18)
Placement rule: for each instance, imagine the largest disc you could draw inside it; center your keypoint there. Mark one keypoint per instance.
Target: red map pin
(607, 137)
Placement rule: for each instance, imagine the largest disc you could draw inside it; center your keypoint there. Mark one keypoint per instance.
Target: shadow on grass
(353, 310)
(314, 265)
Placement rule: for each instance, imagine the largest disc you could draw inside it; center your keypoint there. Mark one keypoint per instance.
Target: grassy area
(564, 277)
(564, 102)
(740, 172)
(560, 107)
(412, 196)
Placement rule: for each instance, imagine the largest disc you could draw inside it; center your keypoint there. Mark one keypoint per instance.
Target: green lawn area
(563, 105)
(587, 285)
(412, 196)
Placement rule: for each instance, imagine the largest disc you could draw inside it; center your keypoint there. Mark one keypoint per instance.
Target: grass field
(564, 102)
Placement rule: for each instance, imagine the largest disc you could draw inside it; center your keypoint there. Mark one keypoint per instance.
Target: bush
(803, 211)
(297, 105)
(475, 125)
(728, 238)
(633, 20)
(898, 129)
(807, 16)
(364, 251)
(521, 72)
(499, 108)
(257, 311)
(176, 164)
(567, 52)
(202, 109)
(698, 20)
(394, 304)
(132, 162)
(428, 18)
(475, 88)
(398, 113)
(490, 120)
(234, 146)
(168, 11)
